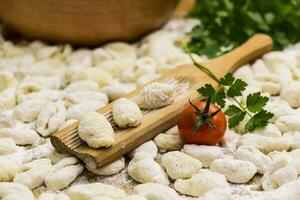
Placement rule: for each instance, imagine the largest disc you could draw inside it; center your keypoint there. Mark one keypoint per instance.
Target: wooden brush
(187, 78)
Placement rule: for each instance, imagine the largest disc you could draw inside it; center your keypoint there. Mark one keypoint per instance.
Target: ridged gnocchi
(155, 191)
(110, 169)
(144, 169)
(33, 174)
(78, 110)
(63, 173)
(126, 113)
(201, 183)
(87, 191)
(253, 155)
(78, 97)
(205, 154)
(180, 165)
(28, 110)
(96, 130)
(156, 95)
(50, 117)
(7, 146)
(236, 171)
(16, 190)
(20, 135)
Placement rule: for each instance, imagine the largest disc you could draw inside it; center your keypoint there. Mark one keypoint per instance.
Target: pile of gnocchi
(45, 88)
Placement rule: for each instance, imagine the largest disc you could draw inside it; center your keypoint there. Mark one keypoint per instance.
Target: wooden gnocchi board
(157, 121)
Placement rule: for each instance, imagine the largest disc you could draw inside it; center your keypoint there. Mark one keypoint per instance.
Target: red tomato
(205, 135)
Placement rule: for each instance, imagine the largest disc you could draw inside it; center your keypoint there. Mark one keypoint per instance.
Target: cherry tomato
(205, 134)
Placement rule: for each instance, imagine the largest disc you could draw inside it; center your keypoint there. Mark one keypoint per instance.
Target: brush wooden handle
(157, 121)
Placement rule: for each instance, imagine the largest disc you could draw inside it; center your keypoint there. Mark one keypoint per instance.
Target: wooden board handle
(248, 51)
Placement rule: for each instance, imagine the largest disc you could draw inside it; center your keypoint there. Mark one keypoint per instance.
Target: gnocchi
(50, 117)
(201, 183)
(179, 165)
(87, 191)
(156, 95)
(145, 170)
(126, 113)
(95, 130)
(110, 169)
(205, 154)
(155, 191)
(236, 171)
(63, 173)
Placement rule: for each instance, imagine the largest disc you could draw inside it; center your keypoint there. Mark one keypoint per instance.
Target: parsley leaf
(236, 88)
(228, 79)
(258, 120)
(216, 96)
(255, 102)
(236, 115)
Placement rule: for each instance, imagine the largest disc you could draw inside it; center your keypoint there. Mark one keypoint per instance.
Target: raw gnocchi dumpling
(279, 108)
(236, 171)
(144, 169)
(291, 95)
(200, 183)
(270, 130)
(168, 142)
(21, 135)
(279, 177)
(87, 191)
(51, 116)
(266, 144)
(180, 165)
(126, 113)
(82, 86)
(101, 77)
(156, 95)
(290, 191)
(28, 110)
(63, 173)
(7, 146)
(110, 169)
(121, 50)
(76, 111)
(155, 191)
(8, 170)
(253, 155)
(288, 123)
(205, 154)
(7, 91)
(96, 130)
(78, 97)
(53, 196)
(25, 89)
(231, 139)
(7, 99)
(117, 90)
(73, 74)
(16, 189)
(271, 83)
(33, 174)
(148, 149)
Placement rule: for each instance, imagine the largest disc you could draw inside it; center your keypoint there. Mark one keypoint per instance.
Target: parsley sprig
(227, 23)
(230, 87)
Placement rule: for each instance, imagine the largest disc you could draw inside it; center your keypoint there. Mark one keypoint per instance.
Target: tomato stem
(203, 116)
